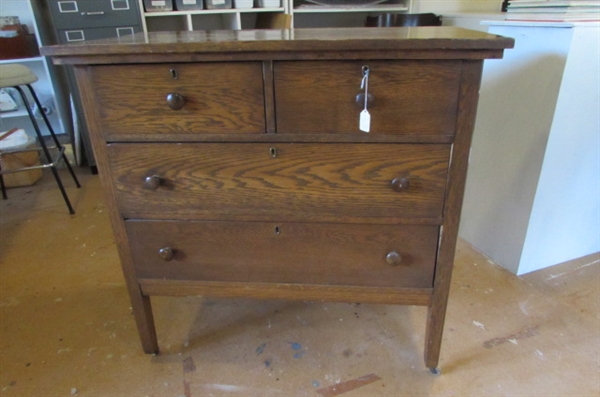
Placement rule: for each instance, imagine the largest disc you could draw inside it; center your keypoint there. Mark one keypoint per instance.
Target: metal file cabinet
(81, 20)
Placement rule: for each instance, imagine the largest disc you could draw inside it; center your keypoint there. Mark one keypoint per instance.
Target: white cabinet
(531, 199)
(47, 89)
(303, 14)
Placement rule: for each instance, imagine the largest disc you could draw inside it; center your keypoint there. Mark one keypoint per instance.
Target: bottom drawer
(297, 253)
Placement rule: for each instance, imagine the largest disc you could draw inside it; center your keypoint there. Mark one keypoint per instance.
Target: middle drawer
(256, 181)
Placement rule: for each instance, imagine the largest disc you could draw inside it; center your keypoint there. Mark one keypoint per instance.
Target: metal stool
(14, 75)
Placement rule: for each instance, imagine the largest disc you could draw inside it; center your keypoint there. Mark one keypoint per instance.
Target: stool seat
(14, 74)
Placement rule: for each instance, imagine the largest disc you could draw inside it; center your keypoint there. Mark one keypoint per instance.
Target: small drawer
(405, 97)
(256, 181)
(221, 98)
(303, 253)
(85, 14)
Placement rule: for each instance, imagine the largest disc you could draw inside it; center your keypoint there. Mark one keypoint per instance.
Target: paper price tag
(365, 121)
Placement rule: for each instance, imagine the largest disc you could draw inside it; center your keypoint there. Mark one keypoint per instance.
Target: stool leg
(56, 142)
(2, 186)
(45, 148)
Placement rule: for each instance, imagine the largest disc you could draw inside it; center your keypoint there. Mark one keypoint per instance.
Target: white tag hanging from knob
(365, 117)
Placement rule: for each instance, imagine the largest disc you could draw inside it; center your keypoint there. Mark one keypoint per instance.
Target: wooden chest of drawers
(234, 165)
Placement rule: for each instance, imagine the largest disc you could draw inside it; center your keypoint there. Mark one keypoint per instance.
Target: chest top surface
(421, 42)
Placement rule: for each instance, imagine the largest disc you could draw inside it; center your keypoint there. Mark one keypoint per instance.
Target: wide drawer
(180, 98)
(409, 97)
(247, 181)
(265, 252)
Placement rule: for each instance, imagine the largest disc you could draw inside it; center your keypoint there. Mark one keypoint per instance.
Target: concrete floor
(67, 328)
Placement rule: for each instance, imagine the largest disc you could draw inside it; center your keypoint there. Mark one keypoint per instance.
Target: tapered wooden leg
(142, 311)
(469, 93)
(433, 336)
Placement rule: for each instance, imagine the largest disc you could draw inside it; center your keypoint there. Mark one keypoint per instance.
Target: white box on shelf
(218, 4)
(269, 3)
(158, 5)
(243, 3)
(186, 5)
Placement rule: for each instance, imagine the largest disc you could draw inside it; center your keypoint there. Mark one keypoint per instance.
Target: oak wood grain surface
(302, 182)
(381, 40)
(334, 293)
(260, 184)
(409, 97)
(219, 98)
(271, 252)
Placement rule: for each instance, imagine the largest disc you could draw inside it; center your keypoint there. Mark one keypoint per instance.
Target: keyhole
(174, 74)
(277, 230)
(273, 152)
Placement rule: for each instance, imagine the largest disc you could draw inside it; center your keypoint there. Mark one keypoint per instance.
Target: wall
(453, 6)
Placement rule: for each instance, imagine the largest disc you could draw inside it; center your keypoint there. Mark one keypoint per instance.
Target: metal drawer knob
(152, 182)
(166, 254)
(400, 184)
(176, 101)
(393, 258)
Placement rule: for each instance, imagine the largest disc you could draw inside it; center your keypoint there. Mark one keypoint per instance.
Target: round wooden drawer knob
(152, 182)
(400, 184)
(393, 258)
(166, 254)
(176, 101)
(360, 100)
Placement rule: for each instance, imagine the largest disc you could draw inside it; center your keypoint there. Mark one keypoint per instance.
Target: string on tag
(364, 123)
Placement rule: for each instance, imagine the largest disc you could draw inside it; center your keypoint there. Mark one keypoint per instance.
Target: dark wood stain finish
(252, 179)
(410, 97)
(219, 98)
(302, 182)
(286, 253)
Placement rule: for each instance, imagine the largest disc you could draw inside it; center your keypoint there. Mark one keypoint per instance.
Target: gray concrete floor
(66, 326)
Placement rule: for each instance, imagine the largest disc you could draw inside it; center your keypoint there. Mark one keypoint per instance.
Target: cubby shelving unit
(304, 14)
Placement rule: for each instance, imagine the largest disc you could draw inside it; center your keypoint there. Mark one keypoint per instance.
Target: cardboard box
(12, 161)
(17, 139)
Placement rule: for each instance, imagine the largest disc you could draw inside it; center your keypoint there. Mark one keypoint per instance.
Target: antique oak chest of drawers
(324, 164)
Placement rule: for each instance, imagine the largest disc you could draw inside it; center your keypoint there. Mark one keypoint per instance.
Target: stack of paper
(553, 10)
